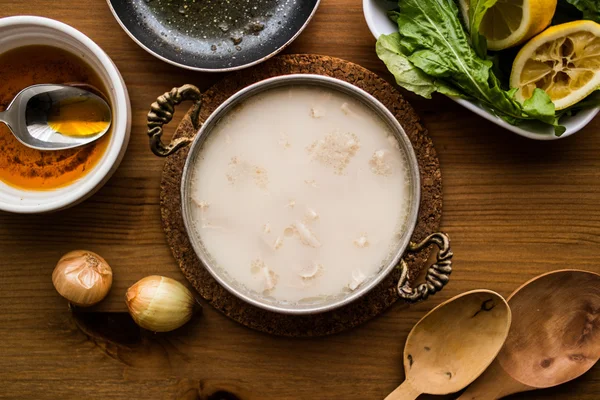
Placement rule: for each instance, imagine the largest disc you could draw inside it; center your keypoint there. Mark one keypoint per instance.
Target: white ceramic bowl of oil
(376, 16)
(27, 30)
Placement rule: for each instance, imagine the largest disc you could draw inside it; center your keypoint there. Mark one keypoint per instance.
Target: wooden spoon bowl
(554, 338)
(555, 335)
(453, 344)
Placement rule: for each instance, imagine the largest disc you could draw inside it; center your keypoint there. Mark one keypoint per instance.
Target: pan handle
(161, 113)
(438, 274)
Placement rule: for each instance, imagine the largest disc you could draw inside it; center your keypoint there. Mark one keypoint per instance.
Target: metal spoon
(31, 114)
(453, 344)
(554, 337)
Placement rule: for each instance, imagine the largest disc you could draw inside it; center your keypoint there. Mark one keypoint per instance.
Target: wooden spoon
(453, 344)
(554, 338)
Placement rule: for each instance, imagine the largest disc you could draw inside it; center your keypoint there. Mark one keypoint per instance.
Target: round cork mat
(366, 307)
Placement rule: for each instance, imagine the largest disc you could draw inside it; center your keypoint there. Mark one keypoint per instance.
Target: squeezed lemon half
(564, 60)
(512, 22)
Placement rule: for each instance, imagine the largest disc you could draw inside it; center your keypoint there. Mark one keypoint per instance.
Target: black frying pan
(213, 35)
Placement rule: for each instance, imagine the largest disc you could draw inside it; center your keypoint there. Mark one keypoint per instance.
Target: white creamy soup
(300, 193)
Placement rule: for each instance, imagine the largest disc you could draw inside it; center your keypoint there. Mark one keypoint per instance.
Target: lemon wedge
(564, 60)
(512, 22)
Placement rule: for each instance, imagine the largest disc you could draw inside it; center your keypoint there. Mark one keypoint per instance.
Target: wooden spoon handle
(404, 392)
(493, 384)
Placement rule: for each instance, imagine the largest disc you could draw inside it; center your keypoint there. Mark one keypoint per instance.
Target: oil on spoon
(57, 117)
(554, 338)
(453, 344)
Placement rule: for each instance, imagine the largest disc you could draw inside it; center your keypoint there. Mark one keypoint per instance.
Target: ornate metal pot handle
(438, 274)
(161, 113)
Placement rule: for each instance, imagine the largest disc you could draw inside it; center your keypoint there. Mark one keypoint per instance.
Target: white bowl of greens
(441, 59)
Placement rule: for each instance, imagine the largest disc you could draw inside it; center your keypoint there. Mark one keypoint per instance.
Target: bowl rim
(121, 131)
(318, 80)
(200, 69)
(583, 117)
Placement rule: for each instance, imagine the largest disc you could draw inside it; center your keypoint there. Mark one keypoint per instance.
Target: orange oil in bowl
(30, 169)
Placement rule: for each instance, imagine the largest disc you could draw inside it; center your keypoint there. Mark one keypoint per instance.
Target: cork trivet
(378, 299)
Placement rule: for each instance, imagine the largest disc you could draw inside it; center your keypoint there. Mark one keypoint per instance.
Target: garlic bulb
(82, 277)
(160, 304)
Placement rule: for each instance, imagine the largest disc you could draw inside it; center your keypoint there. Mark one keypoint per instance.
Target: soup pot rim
(156, 120)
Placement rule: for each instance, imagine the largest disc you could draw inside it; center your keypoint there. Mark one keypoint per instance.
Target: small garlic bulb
(160, 304)
(82, 277)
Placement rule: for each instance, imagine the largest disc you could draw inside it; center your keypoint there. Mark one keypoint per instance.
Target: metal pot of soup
(300, 193)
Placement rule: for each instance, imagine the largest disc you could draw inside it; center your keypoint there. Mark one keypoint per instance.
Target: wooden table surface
(514, 208)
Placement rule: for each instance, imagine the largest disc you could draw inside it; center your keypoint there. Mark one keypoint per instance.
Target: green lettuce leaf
(540, 107)
(406, 74)
(589, 8)
(433, 40)
(432, 53)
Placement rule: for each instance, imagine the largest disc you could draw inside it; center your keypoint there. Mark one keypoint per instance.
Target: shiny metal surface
(27, 116)
(194, 37)
(314, 80)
